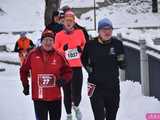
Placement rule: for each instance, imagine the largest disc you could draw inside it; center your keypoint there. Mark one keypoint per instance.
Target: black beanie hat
(66, 8)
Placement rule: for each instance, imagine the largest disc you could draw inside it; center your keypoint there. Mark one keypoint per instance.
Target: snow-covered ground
(21, 15)
(14, 105)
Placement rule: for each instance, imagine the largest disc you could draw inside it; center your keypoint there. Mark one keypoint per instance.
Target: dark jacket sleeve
(85, 34)
(31, 44)
(16, 49)
(24, 71)
(54, 27)
(86, 59)
(121, 56)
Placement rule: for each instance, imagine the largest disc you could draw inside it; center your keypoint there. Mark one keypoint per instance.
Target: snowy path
(14, 105)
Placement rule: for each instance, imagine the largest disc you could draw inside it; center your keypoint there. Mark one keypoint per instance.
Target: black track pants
(105, 105)
(72, 91)
(42, 108)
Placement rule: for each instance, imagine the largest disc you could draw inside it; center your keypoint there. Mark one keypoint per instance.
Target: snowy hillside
(123, 15)
(21, 15)
(79, 3)
(18, 15)
(28, 15)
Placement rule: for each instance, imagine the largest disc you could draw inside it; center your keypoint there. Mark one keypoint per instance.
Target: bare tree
(51, 5)
(154, 6)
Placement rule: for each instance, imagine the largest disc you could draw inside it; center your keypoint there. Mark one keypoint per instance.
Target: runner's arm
(31, 44)
(86, 59)
(24, 71)
(16, 49)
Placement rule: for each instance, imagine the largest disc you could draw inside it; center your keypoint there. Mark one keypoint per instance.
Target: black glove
(65, 47)
(60, 83)
(121, 61)
(89, 69)
(91, 78)
(26, 90)
(79, 49)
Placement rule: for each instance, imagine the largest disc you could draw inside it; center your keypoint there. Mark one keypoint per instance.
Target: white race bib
(46, 80)
(72, 54)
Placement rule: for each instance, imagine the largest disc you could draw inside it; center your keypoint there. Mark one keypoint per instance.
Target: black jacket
(55, 27)
(102, 62)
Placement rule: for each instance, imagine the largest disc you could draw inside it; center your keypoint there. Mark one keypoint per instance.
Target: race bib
(72, 54)
(46, 80)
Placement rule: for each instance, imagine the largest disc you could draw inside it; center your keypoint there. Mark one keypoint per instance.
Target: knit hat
(23, 34)
(69, 15)
(104, 23)
(47, 33)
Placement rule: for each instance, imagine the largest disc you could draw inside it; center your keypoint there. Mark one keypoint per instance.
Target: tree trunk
(51, 5)
(154, 6)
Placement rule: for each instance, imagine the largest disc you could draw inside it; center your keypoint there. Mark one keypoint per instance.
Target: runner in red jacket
(49, 71)
(70, 42)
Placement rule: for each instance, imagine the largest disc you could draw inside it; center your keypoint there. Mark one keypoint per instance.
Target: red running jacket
(73, 39)
(46, 68)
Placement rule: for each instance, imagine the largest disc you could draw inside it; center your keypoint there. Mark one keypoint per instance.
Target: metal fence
(133, 64)
(154, 76)
(143, 67)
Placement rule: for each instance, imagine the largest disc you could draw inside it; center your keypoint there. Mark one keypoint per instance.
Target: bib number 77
(46, 80)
